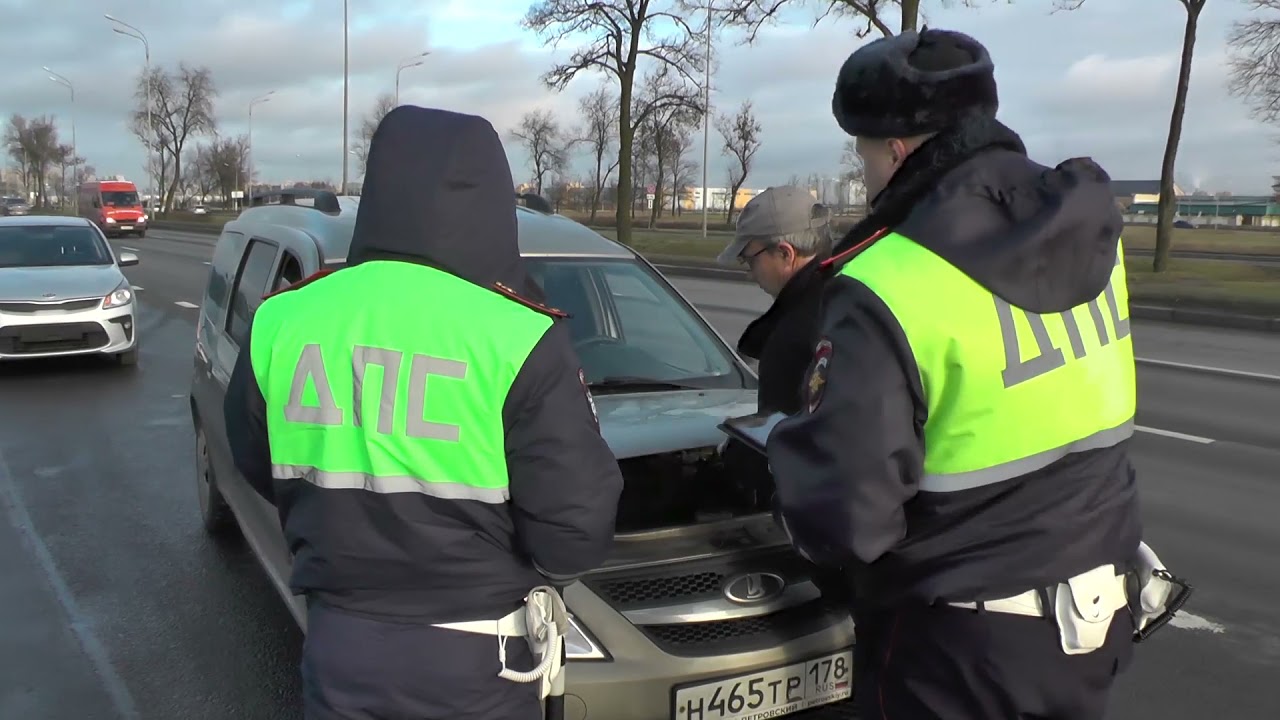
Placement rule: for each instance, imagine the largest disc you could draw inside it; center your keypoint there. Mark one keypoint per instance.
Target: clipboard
(752, 430)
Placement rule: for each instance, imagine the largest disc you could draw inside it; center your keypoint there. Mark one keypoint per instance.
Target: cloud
(1098, 81)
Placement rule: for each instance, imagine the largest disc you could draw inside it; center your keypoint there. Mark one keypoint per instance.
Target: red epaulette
(845, 256)
(531, 304)
(301, 283)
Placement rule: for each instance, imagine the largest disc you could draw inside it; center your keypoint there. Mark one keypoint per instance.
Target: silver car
(14, 206)
(62, 292)
(703, 611)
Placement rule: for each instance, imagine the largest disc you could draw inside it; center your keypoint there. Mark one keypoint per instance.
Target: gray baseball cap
(781, 210)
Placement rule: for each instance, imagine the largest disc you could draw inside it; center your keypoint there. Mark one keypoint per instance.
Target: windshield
(629, 328)
(51, 245)
(14, 201)
(119, 197)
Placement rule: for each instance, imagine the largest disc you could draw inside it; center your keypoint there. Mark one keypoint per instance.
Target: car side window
(290, 272)
(251, 285)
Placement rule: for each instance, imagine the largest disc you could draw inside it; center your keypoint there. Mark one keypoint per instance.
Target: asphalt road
(116, 606)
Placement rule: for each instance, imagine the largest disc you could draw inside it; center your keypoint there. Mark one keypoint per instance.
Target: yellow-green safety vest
(407, 399)
(1008, 391)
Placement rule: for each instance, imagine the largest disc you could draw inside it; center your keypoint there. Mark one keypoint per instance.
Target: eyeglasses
(746, 260)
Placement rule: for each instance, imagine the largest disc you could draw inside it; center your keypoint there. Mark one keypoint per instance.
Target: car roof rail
(326, 201)
(535, 202)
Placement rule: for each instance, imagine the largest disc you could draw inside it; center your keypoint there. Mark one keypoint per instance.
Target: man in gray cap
(780, 234)
(963, 447)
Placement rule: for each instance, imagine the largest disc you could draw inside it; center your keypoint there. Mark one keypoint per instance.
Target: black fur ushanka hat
(914, 83)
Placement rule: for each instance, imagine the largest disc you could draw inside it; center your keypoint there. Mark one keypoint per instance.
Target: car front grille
(60, 337)
(693, 581)
(36, 307)
(685, 584)
(722, 637)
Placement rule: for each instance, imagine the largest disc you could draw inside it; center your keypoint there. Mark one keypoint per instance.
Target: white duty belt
(543, 622)
(1084, 605)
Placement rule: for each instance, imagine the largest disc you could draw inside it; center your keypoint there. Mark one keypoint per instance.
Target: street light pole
(405, 65)
(706, 122)
(346, 78)
(149, 140)
(249, 160)
(75, 158)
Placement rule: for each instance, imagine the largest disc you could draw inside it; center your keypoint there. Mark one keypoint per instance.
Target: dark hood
(438, 191)
(1044, 239)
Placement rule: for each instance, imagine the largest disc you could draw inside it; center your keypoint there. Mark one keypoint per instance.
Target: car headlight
(119, 297)
(142, 218)
(111, 221)
(579, 646)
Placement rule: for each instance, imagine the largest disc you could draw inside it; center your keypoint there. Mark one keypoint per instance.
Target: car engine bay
(693, 486)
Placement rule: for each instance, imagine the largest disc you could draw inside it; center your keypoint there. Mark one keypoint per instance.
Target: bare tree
(181, 108)
(33, 145)
(540, 134)
(1255, 62)
(659, 136)
(683, 166)
(224, 166)
(599, 111)
(385, 103)
(620, 34)
(741, 132)
(855, 172)
(751, 15)
(1168, 201)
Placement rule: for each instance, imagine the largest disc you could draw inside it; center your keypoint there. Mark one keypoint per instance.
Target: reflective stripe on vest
(1008, 391)
(405, 401)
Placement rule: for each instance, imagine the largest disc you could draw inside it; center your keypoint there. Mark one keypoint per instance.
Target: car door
(252, 275)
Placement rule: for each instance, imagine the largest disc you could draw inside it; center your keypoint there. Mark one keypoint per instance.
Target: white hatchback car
(62, 291)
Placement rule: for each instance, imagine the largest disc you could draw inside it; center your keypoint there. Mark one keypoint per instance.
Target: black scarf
(920, 173)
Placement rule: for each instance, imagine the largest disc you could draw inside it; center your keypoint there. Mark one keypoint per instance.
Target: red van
(114, 206)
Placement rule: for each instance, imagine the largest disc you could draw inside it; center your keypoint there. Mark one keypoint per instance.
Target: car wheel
(128, 358)
(142, 233)
(215, 514)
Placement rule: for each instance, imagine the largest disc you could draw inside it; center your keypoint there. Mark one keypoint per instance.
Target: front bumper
(119, 227)
(637, 680)
(42, 333)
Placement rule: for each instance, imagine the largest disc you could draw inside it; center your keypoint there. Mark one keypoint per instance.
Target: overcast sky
(1098, 81)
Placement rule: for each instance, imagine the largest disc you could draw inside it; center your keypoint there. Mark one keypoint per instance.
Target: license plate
(771, 693)
(126, 227)
(42, 335)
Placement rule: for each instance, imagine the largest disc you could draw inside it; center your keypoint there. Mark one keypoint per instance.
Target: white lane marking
(1172, 434)
(1187, 621)
(185, 304)
(206, 262)
(81, 626)
(126, 247)
(1210, 369)
(137, 287)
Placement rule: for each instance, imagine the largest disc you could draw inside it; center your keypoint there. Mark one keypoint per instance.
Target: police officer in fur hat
(963, 448)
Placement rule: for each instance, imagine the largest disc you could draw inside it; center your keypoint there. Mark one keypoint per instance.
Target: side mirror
(127, 259)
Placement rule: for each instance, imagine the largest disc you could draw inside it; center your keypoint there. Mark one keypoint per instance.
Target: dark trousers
(947, 663)
(356, 668)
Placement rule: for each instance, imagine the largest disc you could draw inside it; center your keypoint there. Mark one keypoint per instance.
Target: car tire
(215, 514)
(128, 358)
(142, 233)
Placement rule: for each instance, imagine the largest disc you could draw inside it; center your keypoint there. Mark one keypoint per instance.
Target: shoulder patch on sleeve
(511, 294)
(301, 283)
(591, 401)
(816, 384)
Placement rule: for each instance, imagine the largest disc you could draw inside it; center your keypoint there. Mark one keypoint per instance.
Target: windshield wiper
(637, 382)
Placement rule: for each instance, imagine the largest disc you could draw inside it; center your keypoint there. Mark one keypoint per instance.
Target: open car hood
(657, 422)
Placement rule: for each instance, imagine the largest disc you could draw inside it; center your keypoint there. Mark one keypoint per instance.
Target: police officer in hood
(963, 449)
(424, 430)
